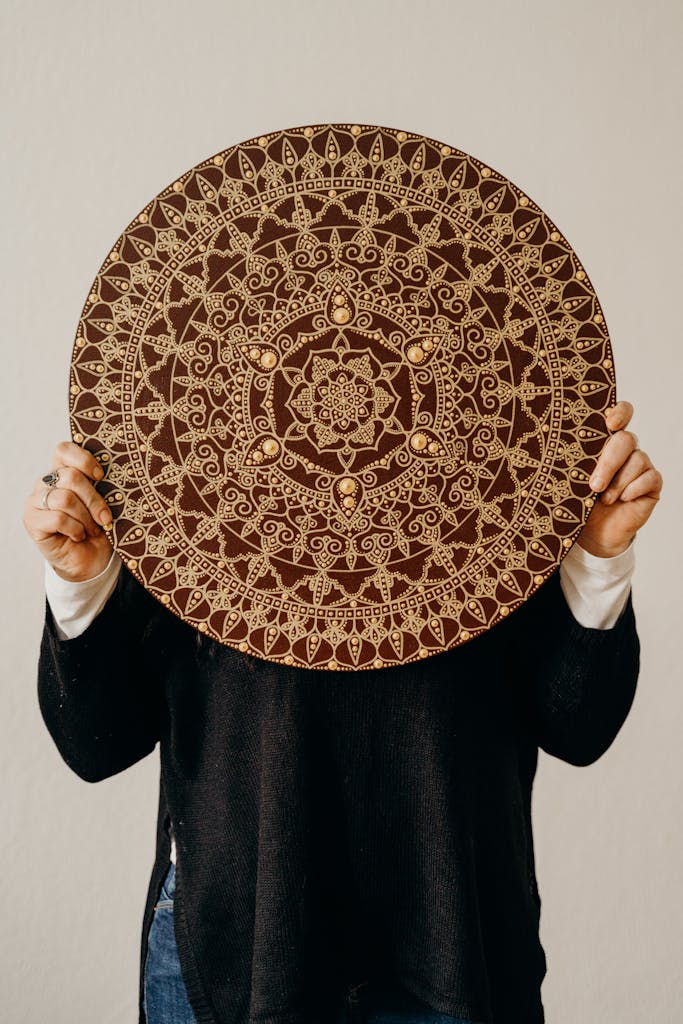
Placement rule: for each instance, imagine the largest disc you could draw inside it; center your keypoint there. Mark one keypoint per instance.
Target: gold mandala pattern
(347, 385)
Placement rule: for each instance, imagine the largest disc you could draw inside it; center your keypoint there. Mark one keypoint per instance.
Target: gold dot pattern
(347, 386)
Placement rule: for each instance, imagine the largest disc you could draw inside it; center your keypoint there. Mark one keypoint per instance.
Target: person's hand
(68, 532)
(630, 486)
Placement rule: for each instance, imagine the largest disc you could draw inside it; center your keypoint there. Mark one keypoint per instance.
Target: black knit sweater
(339, 827)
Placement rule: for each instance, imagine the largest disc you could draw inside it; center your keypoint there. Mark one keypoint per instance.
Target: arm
(75, 605)
(100, 693)
(578, 683)
(597, 589)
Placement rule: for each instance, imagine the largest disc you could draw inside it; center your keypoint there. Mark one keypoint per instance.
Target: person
(339, 846)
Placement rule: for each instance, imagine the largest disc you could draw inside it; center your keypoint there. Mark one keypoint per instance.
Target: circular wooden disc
(347, 385)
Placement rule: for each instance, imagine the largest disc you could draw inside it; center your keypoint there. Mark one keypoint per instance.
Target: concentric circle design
(347, 385)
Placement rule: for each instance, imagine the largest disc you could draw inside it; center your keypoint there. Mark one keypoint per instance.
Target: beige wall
(580, 105)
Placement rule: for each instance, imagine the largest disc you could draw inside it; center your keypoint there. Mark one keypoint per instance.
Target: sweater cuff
(597, 589)
(75, 605)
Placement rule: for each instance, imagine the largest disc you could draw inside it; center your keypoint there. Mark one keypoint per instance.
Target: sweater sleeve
(100, 694)
(578, 683)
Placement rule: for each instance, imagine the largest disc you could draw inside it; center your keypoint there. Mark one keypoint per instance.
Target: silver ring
(51, 479)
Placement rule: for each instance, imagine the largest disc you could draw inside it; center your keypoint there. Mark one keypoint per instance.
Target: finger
(638, 462)
(648, 483)
(66, 500)
(67, 453)
(52, 522)
(614, 455)
(619, 416)
(73, 479)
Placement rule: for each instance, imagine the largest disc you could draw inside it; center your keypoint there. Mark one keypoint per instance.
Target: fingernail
(99, 472)
(597, 483)
(105, 516)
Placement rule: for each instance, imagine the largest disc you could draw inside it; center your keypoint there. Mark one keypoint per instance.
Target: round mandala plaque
(346, 384)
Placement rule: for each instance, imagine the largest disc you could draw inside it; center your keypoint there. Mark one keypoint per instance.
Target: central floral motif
(345, 398)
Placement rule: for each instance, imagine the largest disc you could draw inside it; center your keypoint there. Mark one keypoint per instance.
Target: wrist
(602, 550)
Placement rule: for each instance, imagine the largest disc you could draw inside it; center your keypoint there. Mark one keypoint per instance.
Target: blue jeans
(165, 999)
(165, 995)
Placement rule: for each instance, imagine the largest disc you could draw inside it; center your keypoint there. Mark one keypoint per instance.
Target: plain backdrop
(105, 104)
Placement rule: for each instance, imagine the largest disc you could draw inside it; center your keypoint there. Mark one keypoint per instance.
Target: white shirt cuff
(75, 605)
(597, 589)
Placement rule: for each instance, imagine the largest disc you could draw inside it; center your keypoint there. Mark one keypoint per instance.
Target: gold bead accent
(202, 627)
(165, 599)
(423, 652)
(263, 141)
(567, 542)
(486, 172)
(505, 610)
(244, 646)
(218, 160)
(538, 580)
(177, 186)
(378, 663)
(133, 564)
(445, 150)
(78, 438)
(465, 634)
(589, 502)
(143, 218)
(347, 485)
(598, 318)
(418, 442)
(355, 129)
(289, 660)
(333, 664)
(308, 132)
(416, 354)
(74, 389)
(271, 446)
(268, 360)
(402, 136)
(580, 274)
(349, 502)
(607, 363)
(341, 315)
(523, 201)
(554, 235)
